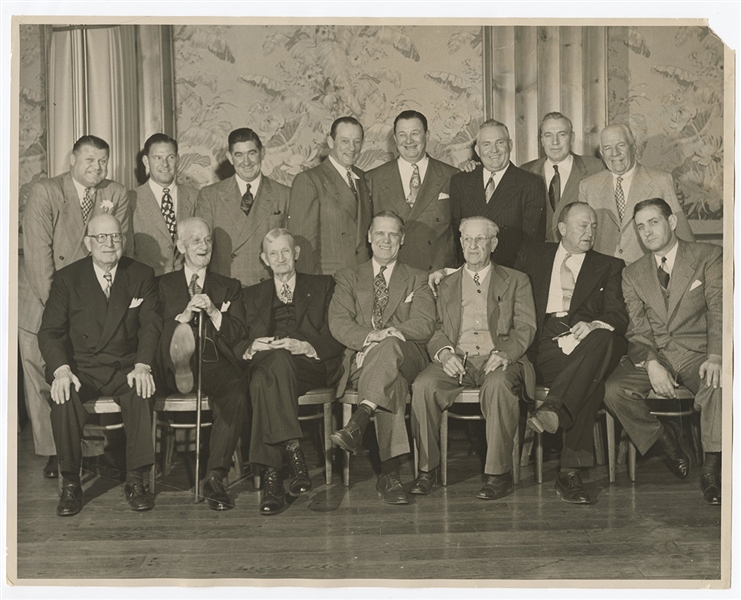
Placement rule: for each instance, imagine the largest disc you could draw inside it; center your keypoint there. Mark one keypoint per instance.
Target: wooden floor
(655, 528)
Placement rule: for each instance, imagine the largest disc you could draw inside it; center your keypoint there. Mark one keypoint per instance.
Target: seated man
(185, 293)
(384, 313)
(485, 323)
(290, 351)
(581, 320)
(98, 337)
(674, 297)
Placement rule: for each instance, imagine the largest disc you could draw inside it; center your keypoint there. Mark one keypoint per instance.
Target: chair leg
(696, 442)
(444, 448)
(346, 414)
(538, 458)
(631, 460)
(527, 447)
(327, 408)
(599, 442)
(610, 426)
(154, 445)
(516, 457)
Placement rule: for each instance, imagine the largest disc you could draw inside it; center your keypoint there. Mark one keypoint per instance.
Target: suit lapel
(589, 275)
(397, 288)
(364, 291)
(451, 298)
(71, 213)
(153, 212)
(262, 206)
(185, 203)
(498, 287)
(394, 189)
(541, 280)
(117, 305)
(302, 295)
(578, 172)
(684, 268)
(607, 198)
(648, 281)
(91, 292)
(428, 190)
(179, 295)
(338, 188)
(503, 193)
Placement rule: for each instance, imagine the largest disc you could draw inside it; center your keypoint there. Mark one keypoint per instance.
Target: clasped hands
(293, 345)
(141, 377)
(198, 303)
(453, 365)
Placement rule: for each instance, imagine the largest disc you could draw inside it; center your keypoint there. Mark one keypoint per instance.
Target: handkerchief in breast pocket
(695, 283)
(410, 297)
(443, 196)
(136, 302)
(225, 306)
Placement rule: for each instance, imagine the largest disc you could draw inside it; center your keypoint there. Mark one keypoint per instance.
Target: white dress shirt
(555, 291)
(80, 191)
(564, 170)
(254, 185)
(625, 184)
(99, 273)
(497, 176)
(670, 256)
(158, 192)
(343, 171)
(279, 284)
(386, 273)
(406, 169)
(201, 280)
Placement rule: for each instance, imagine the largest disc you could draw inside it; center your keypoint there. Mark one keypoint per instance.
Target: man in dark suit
(98, 337)
(674, 296)
(383, 312)
(158, 205)
(514, 199)
(560, 169)
(241, 209)
(290, 351)
(330, 205)
(581, 321)
(54, 222)
(417, 188)
(185, 293)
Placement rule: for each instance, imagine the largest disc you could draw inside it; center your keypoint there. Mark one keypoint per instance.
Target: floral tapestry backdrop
(289, 83)
(667, 83)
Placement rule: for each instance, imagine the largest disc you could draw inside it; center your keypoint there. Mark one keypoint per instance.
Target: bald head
(618, 149)
(194, 242)
(104, 241)
(577, 225)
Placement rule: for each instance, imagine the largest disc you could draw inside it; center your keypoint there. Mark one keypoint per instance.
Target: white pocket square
(225, 306)
(443, 196)
(410, 297)
(696, 283)
(136, 302)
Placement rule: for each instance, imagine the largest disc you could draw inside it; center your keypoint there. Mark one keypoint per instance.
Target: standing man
(330, 205)
(581, 320)
(485, 323)
(384, 313)
(674, 296)
(290, 351)
(417, 188)
(158, 205)
(55, 219)
(614, 194)
(514, 199)
(99, 337)
(241, 209)
(560, 168)
(185, 293)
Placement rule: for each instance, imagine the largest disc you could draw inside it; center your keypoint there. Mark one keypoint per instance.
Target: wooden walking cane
(199, 359)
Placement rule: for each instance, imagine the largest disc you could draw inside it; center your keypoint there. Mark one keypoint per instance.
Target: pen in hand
(460, 375)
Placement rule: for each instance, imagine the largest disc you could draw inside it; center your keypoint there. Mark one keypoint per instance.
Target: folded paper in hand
(567, 343)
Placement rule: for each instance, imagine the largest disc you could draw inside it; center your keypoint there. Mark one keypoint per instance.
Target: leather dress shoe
(51, 470)
(570, 488)
(215, 492)
(426, 482)
(544, 418)
(497, 486)
(182, 347)
(677, 460)
(70, 500)
(710, 486)
(390, 490)
(300, 480)
(137, 496)
(350, 437)
(273, 495)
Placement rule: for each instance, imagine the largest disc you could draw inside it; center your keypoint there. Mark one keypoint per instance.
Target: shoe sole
(536, 425)
(68, 514)
(481, 496)
(182, 346)
(340, 441)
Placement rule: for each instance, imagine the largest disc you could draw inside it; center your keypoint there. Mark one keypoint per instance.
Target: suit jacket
(517, 207)
(583, 167)
(693, 316)
(311, 298)
(410, 309)
(238, 238)
(329, 225)
(83, 330)
(622, 241)
(53, 233)
(153, 244)
(429, 240)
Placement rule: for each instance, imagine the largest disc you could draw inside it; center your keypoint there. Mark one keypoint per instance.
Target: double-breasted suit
(429, 240)
(238, 237)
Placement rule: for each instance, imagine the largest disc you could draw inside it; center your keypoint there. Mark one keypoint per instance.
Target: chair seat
(180, 403)
(102, 406)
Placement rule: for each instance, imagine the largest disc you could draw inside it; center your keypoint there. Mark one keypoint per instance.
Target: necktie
(380, 297)
(87, 203)
(489, 191)
(663, 273)
(351, 183)
(169, 213)
(247, 201)
(193, 287)
(567, 282)
(620, 198)
(286, 295)
(109, 282)
(476, 279)
(414, 183)
(554, 189)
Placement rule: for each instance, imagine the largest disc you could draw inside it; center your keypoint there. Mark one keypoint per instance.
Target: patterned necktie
(109, 282)
(414, 184)
(380, 297)
(247, 201)
(193, 288)
(169, 213)
(620, 198)
(87, 203)
(489, 191)
(567, 282)
(663, 273)
(286, 295)
(554, 189)
(351, 183)
(477, 279)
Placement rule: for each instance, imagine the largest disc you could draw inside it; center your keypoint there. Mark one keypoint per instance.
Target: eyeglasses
(102, 237)
(478, 241)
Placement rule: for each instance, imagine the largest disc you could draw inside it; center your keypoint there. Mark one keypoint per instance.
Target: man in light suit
(383, 312)
(158, 205)
(674, 296)
(514, 199)
(290, 351)
(560, 168)
(54, 222)
(185, 293)
(614, 193)
(99, 337)
(485, 323)
(241, 209)
(581, 320)
(330, 205)
(417, 188)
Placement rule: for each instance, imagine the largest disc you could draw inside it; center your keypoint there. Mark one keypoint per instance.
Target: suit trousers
(37, 393)
(435, 391)
(276, 380)
(626, 390)
(68, 420)
(384, 379)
